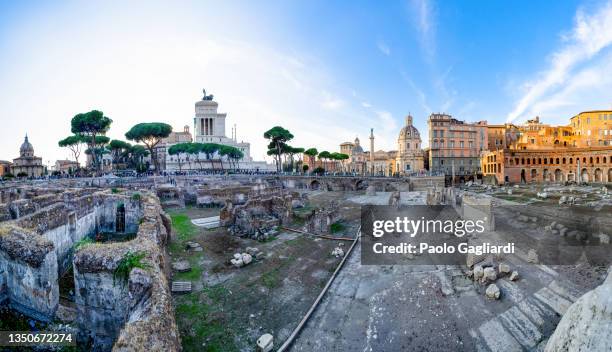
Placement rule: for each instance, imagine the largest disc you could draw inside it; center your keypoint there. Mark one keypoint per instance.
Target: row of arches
(561, 160)
(356, 185)
(598, 175)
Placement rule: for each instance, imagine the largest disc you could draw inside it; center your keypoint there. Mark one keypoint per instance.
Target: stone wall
(425, 182)
(132, 315)
(28, 264)
(36, 247)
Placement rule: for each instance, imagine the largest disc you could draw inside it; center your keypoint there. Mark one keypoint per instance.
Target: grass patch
(82, 242)
(129, 261)
(201, 325)
(194, 274)
(216, 293)
(196, 269)
(336, 227)
(271, 279)
(269, 239)
(181, 223)
(175, 248)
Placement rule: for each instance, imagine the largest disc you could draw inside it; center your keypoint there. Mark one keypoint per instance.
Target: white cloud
(383, 47)
(588, 88)
(331, 102)
(366, 105)
(424, 20)
(591, 34)
(422, 98)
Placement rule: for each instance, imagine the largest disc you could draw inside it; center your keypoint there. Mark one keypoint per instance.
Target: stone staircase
(527, 325)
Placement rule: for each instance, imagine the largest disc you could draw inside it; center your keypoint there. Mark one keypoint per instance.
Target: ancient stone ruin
(120, 304)
(260, 214)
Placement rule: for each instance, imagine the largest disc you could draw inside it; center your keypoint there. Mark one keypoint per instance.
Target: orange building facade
(579, 152)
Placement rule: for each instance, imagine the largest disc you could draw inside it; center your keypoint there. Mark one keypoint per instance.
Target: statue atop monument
(206, 97)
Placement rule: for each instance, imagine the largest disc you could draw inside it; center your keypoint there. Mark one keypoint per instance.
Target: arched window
(563, 160)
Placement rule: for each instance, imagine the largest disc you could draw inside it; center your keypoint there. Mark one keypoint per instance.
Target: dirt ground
(230, 308)
(391, 308)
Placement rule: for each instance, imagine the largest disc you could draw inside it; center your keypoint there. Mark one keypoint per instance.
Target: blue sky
(328, 71)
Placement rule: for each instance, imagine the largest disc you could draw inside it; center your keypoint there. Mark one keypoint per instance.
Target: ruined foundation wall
(28, 266)
(36, 248)
(132, 315)
(425, 182)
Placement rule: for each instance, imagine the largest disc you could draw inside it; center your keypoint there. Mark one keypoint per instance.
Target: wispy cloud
(587, 87)
(420, 94)
(331, 102)
(591, 34)
(383, 47)
(423, 15)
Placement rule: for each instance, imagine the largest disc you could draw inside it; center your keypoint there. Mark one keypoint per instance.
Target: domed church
(409, 157)
(27, 163)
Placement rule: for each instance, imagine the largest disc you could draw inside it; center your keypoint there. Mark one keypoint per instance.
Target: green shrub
(129, 261)
(114, 190)
(136, 196)
(336, 227)
(82, 242)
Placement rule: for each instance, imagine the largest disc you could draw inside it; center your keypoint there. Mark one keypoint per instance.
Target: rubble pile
(485, 272)
(260, 215)
(338, 252)
(241, 259)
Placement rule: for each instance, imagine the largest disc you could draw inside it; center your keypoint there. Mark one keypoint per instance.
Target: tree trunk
(153, 158)
(278, 153)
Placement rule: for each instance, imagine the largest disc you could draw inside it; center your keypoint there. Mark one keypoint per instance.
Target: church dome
(26, 148)
(357, 149)
(409, 131)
